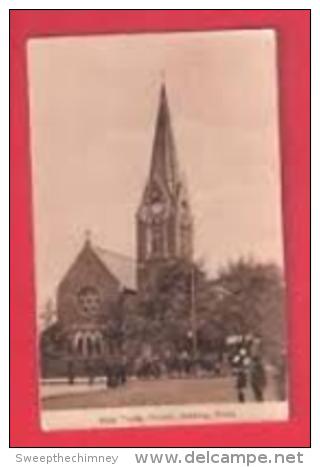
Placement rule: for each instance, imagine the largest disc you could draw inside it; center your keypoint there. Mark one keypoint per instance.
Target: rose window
(89, 300)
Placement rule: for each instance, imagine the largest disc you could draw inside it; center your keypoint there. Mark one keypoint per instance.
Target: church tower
(163, 219)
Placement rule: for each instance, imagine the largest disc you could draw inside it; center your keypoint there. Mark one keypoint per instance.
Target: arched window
(89, 346)
(157, 241)
(98, 347)
(69, 346)
(98, 344)
(80, 345)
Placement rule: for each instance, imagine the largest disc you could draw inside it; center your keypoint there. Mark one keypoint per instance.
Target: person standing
(258, 378)
(280, 378)
(240, 363)
(120, 370)
(70, 371)
(90, 372)
(241, 383)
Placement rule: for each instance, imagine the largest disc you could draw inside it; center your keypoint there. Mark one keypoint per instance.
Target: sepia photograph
(157, 216)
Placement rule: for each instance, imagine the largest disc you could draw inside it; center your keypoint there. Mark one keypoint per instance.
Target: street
(59, 395)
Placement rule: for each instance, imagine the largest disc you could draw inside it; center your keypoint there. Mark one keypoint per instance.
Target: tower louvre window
(157, 241)
(148, 242)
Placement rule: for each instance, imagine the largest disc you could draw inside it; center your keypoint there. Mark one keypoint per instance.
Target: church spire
(164, 166)
(164, 221)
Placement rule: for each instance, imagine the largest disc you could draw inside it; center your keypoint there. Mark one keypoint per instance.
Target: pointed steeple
(87, 239)
(164, 220)
(164, 165)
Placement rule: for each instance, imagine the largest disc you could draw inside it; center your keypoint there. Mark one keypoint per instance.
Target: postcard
(157, 215)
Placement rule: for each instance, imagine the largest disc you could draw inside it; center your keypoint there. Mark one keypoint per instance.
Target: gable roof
(121, 266)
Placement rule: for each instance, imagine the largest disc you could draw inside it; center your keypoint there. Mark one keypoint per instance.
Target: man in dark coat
(115, 370)
(258, 378)
(241, 383)
(280, 377)
(70, 371)
(240, 361)
(120, 369)
(110, 372)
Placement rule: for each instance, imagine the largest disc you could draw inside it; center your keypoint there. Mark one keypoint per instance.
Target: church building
(98, 280)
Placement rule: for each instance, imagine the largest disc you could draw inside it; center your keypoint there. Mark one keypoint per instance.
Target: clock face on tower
(154, 207)
(157, 207)
(157, 202)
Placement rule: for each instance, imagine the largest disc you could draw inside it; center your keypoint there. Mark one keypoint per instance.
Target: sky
(93, 103)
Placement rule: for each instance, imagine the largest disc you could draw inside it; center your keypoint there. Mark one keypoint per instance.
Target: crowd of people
(249, 374)
(247, 369)
(176, 364)
(118, 368)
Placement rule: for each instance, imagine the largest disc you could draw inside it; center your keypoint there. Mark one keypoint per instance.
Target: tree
(253, 303)
(245, 297)
(52, 342)
(166, 313)
(48, 316)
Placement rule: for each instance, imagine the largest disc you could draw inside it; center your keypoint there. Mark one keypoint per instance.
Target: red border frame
(293, 29)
